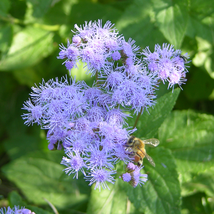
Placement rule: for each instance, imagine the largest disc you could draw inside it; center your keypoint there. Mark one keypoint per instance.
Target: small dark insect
(184, 58)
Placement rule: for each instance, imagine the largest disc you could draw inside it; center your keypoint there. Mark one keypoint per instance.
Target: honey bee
(136, 147)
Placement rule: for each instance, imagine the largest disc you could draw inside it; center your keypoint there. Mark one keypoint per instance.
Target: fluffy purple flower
(89, 122)
(133, 175)
(131, 93)
(100, 176)
(131, 166)
(167, 63)
(34, 115)
(116, 116)
(129, 48)
(138, 178)
(74, 163)
(126, 177)
(99, 158)
(15, 210)
(116, 55)
(95, 45)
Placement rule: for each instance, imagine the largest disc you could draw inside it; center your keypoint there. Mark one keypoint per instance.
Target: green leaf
(199, 79)
(190, 137)
(29, 143)
(172, 19)
(152, 119)
(5, 37)
(15, 199)
(197, 204)
(4, 7)
(161, 193)
(40, 175)
(112, 200)
(40, 7)
(200, 183)
(77, 12)
(137, 22)
(201, 9)
(28, 47)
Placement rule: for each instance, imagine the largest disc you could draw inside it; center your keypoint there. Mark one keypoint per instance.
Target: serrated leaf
(4, 7)
(161, 193)
(190, 137)
(172, 19)
(28, 47)
(39, 175)
(152, 119)
(108, 201)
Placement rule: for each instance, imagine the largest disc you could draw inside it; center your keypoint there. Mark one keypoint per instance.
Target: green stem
(138, 116)
(96, 76)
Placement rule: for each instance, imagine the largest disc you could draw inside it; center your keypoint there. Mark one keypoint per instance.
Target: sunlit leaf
(28, 47)
(190, 137)
(172, 19)
(108, 201)
(40, 175)
(137, 22)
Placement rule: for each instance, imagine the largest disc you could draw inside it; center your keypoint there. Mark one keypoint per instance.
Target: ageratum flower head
(90, 122)
(133, 175)
(15, 210)
(120, 72)
(92, 134)
(168, 63)
(96, 45)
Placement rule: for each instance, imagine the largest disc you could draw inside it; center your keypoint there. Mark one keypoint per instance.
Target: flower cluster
(167, 62)
(121, 74)
(15, 210)
(80, 119)
(90, 122)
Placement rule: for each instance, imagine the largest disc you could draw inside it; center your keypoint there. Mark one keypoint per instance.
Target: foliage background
(183, 179)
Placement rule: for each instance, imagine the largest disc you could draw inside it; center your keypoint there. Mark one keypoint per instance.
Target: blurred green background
(30, 34)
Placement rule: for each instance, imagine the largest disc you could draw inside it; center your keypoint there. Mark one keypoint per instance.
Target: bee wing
(150, 160)
(152, 142)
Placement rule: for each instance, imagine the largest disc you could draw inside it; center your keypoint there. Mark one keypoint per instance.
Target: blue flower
(90, 122)
(167, 63)
(133, 175)
(100, 176)
(74, 163)
(15, 210)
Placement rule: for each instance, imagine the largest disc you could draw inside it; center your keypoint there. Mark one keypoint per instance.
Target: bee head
(131, 141)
